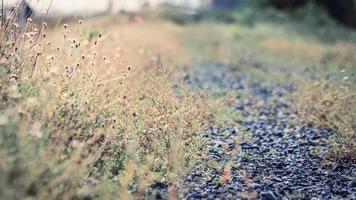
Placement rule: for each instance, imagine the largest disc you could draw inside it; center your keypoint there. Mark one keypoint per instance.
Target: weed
(79, 121)
(331, 104)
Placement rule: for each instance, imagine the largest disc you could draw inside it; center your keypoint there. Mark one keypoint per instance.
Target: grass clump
(77, 121)
(330, 103)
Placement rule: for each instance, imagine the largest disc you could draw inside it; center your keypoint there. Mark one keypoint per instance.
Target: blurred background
(343, 11)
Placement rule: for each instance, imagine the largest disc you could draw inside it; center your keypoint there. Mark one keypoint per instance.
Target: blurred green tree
(344, 11)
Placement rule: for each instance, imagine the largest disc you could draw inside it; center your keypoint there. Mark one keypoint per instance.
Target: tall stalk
(2, 13)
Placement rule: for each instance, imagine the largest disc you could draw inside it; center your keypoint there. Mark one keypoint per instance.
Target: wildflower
(13, 77)
(51, 57)
(16, 25)
(29, 20)
(65, 26)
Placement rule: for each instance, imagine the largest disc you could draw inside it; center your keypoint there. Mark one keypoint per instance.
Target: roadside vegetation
(94, 109)
(83, 115)
(276, 47)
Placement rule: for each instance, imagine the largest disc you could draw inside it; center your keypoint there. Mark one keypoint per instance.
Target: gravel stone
(277, 163)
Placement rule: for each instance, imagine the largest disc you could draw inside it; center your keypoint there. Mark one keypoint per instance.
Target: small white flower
(51, 57)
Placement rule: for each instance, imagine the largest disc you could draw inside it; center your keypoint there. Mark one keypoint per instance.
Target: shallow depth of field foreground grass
(84, 114)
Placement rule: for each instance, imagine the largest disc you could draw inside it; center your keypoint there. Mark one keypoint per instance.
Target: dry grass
(323, 73)
(89, 114)
(331, 104)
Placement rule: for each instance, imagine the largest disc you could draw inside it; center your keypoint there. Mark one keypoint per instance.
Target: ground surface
(277, 161)
(270, 153)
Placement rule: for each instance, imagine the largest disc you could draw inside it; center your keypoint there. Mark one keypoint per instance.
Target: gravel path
(276, 162)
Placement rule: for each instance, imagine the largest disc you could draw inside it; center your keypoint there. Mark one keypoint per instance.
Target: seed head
(51, 57)
(29, 20)
(65, 26)
(80, 21)
(16, 25)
